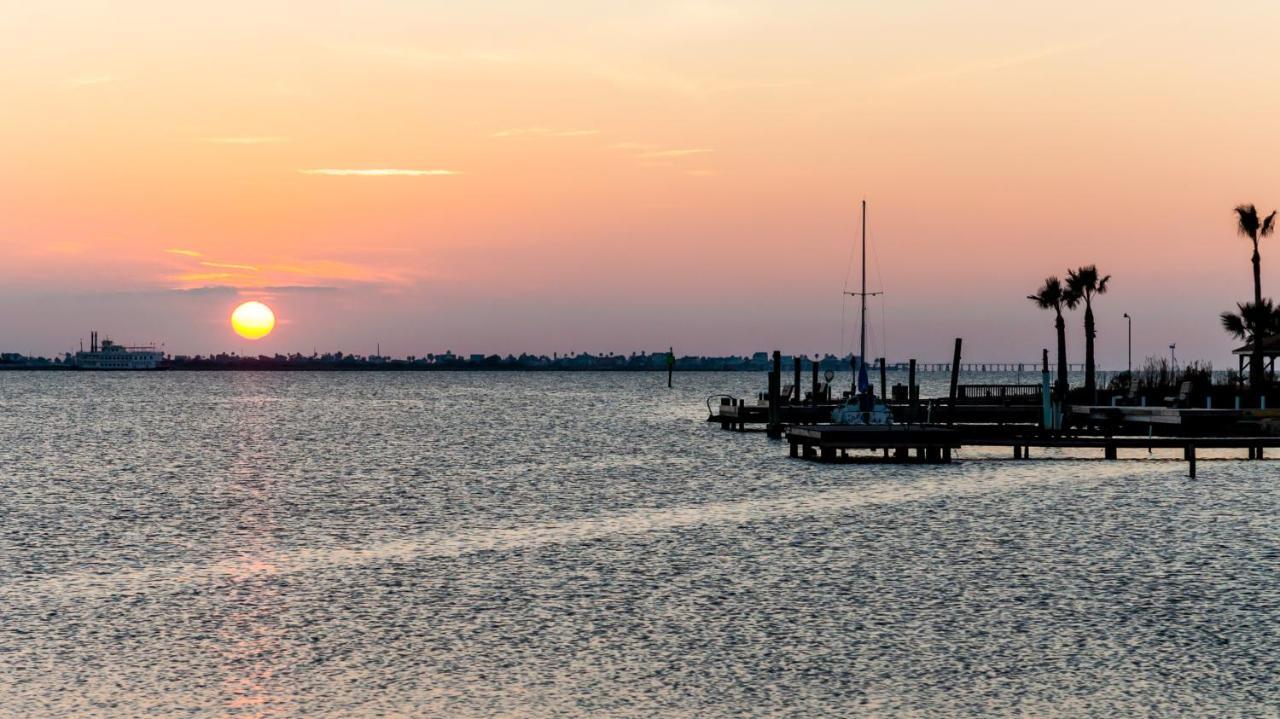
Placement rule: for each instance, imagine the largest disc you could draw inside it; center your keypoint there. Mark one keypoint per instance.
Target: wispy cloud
(180, 251)
(651, 154)
(245, 140)
(634, 146)
(285, 289)
(86, 80)
(543, 132)
(202, 276)
(995, 64)
(378, 172)
(230, 266)
(668, 154)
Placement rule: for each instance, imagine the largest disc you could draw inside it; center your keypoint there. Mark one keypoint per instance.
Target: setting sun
(253, 320)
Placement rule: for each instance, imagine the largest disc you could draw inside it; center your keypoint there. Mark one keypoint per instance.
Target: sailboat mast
(862, 347)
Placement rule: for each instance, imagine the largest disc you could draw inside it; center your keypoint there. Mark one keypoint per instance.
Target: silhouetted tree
(1082, 284)
(1253, 323)
(1255, 229)
(1250, 320)
(1052, 296)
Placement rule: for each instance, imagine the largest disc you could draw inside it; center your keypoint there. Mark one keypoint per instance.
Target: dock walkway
(930, 444)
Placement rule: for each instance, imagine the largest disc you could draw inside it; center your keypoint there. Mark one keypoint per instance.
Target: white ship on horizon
(110, 356)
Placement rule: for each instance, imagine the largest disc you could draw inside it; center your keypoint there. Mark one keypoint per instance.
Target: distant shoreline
(330, 368)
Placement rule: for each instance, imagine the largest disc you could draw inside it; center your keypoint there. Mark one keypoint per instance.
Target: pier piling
(955, 381)
(796, 386)
(774, 429)
(913, 395)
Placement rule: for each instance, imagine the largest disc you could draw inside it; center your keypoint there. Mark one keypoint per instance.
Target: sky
(595, 176)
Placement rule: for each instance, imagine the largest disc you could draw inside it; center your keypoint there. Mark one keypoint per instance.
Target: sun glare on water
(253, 320)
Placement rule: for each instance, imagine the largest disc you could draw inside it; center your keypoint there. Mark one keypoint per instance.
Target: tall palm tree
(1082, 285)
(1249, 225)
(1053, 296)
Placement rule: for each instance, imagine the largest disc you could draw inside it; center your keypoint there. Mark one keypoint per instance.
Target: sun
(253, 320)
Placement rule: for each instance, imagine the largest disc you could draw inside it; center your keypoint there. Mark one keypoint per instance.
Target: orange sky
(612, 176)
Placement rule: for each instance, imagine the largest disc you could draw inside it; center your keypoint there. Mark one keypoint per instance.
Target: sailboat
(863, 408)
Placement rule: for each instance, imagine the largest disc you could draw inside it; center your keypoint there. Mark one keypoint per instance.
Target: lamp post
(1129, 364)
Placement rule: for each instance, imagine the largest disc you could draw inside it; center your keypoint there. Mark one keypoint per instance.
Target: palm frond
(1083, 283)
(1269, 224)
(1251, 321)
(1233, 324)
(1248, 221)
(1049, 296)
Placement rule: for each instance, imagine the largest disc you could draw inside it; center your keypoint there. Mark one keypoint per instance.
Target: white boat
(110, 356)
(863, 408)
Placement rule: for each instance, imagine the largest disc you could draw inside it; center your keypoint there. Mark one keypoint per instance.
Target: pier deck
(737, 417)
(831, 443)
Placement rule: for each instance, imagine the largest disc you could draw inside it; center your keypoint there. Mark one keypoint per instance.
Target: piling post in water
(774, 429)
(955, 381)
(884, 391)
(1046, 421)
(913, 397)
(816, 389)
(796, 385)
(671, 364)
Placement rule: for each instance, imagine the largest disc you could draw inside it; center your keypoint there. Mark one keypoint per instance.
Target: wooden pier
(930, 444)
(1019, 417)
(740, 417)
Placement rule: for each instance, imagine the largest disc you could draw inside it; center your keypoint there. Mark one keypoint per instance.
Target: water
(467, 545)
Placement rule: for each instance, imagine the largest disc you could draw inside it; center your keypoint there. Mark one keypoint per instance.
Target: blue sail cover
(863, 383)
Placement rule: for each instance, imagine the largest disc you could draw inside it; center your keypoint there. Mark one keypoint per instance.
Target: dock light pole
(1129, 364)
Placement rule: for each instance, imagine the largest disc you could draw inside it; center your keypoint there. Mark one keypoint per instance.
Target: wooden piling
(884, 391)
(816, 387)
(1191, 459)
(913, 397)
(774, 429)
(796, 385)
(955, 381)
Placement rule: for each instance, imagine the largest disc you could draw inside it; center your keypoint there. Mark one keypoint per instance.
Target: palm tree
(1082, 285)
(1052, 296)
(1251, 320)
(1250, 226)
(1253, 323)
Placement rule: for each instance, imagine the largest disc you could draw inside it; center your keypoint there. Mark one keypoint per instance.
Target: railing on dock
(999, 393)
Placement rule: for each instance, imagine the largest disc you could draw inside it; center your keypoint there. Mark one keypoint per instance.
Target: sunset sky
(618, 176)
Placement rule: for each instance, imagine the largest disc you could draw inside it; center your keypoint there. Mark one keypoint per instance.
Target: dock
(935, 445)
(1017, 416)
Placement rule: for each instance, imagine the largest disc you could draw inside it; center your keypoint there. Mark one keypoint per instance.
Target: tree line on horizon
(1252, 322)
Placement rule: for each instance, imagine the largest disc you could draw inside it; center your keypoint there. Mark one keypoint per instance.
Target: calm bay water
(475, 544)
